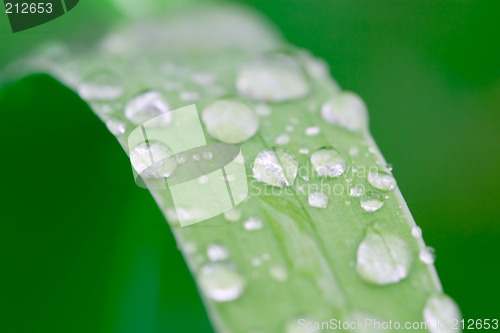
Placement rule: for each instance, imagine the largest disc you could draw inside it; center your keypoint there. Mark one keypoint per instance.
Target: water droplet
(328, 162)
(101, 86)
(441, 312)
(147, 106)
(233, 215)
(276, 168)
(371, 201)
(272, 78)
(221, 282)
(312, 131)
(253, 224)
(189, 247)
(389, 167)
(278, 273)
(346, 110)
(208, 155)
(116, 127)
(230, 121)
(282, 139)
(217, 252)
(318, 199)
(416, 232)
(304, 151)
(381, 180)
(203, 79)
(356, 191)
(152, 160)
(383, 258)
(196, 157)
(427, 256)
(289, 128)
(203, 179)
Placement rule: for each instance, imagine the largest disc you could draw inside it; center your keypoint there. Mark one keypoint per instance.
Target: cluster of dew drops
(382, 258)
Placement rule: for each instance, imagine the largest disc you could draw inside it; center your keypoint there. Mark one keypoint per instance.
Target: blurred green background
(85, 250)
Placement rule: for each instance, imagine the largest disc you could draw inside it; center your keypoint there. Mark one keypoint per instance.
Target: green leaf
(311, 252)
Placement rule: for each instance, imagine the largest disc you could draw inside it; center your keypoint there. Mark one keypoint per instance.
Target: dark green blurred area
(85, 250)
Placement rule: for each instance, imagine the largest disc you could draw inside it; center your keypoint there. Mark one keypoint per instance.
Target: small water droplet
(217, 252)
(328, 162)
(203, 79)
(427, 256)
(208, 155)
(276, 168)
(203, 179)
(278, 273)
(347, 110)
(381, 180)
(221, 282)
(318, 199)
(102, 85)
(196, 157)
(383, 258)
(152, 160)
(312, 131)
(272, 78)
(189, 247)
(304, 151)
(356, 191)
(389, 167)
(233, 215)
(282, 139)
(253, 224)
(371, 201)
(116, 127)
(416, 232)
(441, 313)
(354, 151)
(230, 121)
(289, 128)
(347, 203)
(147, 106)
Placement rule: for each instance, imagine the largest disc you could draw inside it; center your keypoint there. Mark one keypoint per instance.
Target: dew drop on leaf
(318, 200)
(220, 282)
(101, 85)
(346, 110)
(152, 160)
(381, 180)
(276, 168)
(230, 121)
(383, 258)
(371, 201)
(217, 252)
(441, 312)
(252, 224)
(272, 78)
(146, 106)
(328, 162)
(116, 127)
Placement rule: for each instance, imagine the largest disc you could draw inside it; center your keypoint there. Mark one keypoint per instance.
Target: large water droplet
(152, 160)
(276, 168)
(371, 201)
(272, 78)
(328, 162)
(217, 252)
(101, 85)
(221, 282)
(230, 121)
(441, 312)
(381, 180)
(383, 258)
(318, 199)
(146, 106)
(347, 110)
